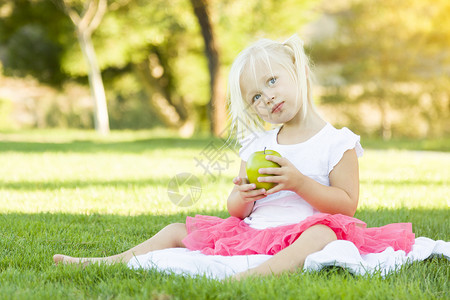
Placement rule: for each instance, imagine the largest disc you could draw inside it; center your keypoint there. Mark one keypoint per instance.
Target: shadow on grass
(90, 146)
(26, 185)
(410, 181)
(33, 185)
(432, 223)
(145, 144)
(441, 144)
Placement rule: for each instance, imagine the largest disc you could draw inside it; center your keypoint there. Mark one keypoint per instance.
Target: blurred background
(382, 66)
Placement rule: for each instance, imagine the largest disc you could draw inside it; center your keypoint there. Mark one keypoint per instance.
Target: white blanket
(338, 253)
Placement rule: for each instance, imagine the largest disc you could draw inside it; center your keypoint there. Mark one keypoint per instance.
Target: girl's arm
(339, 198)
(243, 196)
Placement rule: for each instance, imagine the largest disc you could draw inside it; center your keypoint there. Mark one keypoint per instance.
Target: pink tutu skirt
(232, 236)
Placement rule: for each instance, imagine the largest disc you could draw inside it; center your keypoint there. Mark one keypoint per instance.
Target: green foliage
(131, 32)
(239, 23)
(31, 44)
(388, 57)
(27, 43)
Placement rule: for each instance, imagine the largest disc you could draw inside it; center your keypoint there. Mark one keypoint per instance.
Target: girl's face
(271, 91)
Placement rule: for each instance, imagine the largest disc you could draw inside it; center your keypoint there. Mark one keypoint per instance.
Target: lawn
(76, 193)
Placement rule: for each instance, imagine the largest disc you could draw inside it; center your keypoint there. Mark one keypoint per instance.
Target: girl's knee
(176, 227)
(178, 232)
(325, 232)
(328, 233)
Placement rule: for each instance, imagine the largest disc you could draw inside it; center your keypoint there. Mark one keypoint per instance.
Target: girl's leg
(292, 258)
(170, 236)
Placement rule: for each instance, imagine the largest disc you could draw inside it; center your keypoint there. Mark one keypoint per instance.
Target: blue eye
(272, 81)
(256, 97)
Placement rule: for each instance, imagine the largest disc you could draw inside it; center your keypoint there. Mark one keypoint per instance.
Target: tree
(150, 42)
(217, 106)
(86, 23)
(171, 109)
(151, 53)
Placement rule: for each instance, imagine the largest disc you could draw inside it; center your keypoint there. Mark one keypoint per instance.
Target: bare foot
(241, 275)
(65, 260)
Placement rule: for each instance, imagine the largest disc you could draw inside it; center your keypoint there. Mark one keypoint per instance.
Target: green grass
(436, 144)
(73, 192)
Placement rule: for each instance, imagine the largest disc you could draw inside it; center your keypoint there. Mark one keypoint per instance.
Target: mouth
(277, 107)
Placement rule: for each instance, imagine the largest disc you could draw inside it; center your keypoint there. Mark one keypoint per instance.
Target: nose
(269, 98)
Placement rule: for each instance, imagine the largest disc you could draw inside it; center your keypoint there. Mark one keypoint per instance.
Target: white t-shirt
(314, 158)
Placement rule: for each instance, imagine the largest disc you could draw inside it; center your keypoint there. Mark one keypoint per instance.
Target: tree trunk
(96, 84)
(217, 105)
(171, 114)
(385, 124)
(85, 24)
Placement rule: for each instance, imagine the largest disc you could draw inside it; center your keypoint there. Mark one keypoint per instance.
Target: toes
(58, 258)
(63, 259)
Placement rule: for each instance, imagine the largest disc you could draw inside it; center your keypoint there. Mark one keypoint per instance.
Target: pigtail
(301, 62)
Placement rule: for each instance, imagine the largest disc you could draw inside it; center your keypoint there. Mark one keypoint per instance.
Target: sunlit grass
(112, 176)
(127, 174)
(400, 178)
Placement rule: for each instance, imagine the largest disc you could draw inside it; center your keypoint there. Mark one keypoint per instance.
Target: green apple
(257, 161)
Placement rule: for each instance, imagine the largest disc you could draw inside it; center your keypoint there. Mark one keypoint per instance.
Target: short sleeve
(344, 140)
(248, 146)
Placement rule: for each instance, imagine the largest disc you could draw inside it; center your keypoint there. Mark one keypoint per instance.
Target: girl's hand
(247, 190)
(287, 177)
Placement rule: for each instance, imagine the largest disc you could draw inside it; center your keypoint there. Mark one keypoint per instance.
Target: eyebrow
(264, 77)
(255, 76)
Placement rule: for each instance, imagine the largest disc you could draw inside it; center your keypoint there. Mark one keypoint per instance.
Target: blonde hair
(290, 55)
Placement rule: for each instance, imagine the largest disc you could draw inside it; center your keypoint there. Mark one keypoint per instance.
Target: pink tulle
(232, 236)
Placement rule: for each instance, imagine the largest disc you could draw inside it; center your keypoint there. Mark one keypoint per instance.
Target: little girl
(317, 186)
